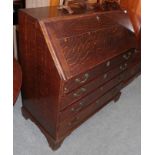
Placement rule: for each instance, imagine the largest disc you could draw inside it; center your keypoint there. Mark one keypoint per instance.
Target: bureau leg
(117, 97)
(54, 144)
(24, 113)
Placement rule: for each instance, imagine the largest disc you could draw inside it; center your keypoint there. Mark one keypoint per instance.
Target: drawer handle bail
(66, 90)
(98, 18)
(97, 102)
(127, 56)
(105, 75)
(81, 105)
(108, 64)
(123, 67)
(79, 92)
(83, 80)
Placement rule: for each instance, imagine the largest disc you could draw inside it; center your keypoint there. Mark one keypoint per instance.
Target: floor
(114, 130)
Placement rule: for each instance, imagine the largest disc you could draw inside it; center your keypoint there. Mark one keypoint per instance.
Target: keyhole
(98, 18)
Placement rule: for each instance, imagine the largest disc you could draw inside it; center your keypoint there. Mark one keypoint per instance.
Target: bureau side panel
(41, 81)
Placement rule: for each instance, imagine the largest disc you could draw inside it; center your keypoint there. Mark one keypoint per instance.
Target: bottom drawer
(131, 72)
(68, 125)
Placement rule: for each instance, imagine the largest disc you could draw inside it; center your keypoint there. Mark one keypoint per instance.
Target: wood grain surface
(67, 59)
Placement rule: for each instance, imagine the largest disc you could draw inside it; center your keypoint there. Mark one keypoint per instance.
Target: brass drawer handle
(101, 88)
(78, 108)
(136, 51)
(127, 56)
(123, 67)
(74, 121)
(98, 18)
(66, 90)
(108, 64)
(85, 78)
(105, 75)
(97, 102)
(79, 92)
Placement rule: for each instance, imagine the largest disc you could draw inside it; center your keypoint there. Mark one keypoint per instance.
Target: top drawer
(97, 71)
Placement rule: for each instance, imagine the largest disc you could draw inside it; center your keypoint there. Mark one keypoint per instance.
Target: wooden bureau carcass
(73, 65)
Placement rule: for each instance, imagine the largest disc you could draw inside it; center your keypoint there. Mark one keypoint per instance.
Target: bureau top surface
(85, 39)
(51, 12)
(42, 13)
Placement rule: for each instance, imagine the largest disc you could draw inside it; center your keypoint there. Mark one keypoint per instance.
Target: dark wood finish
(54, 144)
(86, 57)
(75, 39)
(133, 71)
(72, 122)
(78, 93)
(93, 73)
(17, 80)
(81, 104)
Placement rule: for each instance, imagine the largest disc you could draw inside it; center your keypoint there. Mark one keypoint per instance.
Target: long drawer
(71, 123)
(130, 73)
(82, 103)
(75, 95)
(91, 74)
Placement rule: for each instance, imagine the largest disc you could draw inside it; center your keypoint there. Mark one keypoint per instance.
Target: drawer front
(75, 95)
(137, 56)
(81, 104)
(131, 71)
(84, 78)
(71, 123)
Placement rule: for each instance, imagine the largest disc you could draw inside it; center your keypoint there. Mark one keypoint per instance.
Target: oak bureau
(73, 65)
